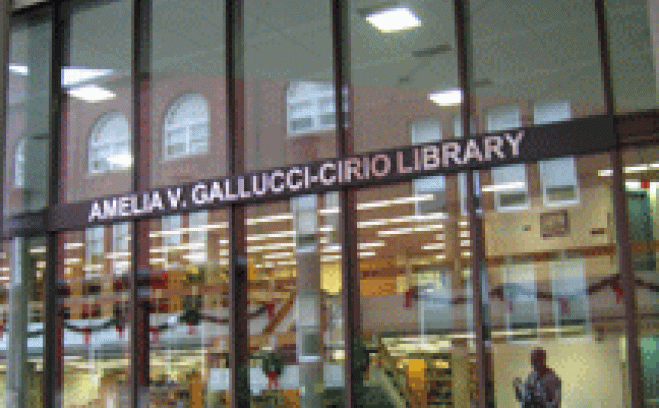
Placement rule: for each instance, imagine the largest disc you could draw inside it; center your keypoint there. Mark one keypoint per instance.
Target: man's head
(539, 360)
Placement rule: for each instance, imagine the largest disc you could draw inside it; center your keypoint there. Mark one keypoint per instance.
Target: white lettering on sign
(434, 157)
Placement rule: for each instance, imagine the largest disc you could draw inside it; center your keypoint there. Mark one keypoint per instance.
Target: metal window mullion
(350, 271)
(238, 281)
(623, 244)
(463, 40)
(141, 151)
(53, 371)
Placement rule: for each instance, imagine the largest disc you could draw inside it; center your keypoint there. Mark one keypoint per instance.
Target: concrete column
(309, 329)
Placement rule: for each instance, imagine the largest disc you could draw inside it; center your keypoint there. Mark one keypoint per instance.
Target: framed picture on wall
(554, 224)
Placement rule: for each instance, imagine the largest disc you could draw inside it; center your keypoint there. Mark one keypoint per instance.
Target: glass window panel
(189, 316)
(26, 152)
(96, 327)
(415, 301)
(633, 36)
(296, 314)
(22, 268)
(98, 111)
(552, 284)
(526, 52)
(289, 90)
(641, 189)
(403, 74)
(187, 91)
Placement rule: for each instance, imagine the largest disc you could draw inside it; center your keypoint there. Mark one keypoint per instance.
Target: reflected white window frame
(545, 112)
(427, 130)
(171, 237)
(19, 164)
(197, 222)
(94, 249)
(513, 298)
(121, 245)
(569, 274)
(312, 103)
(110, 137)
(435, 295)
(498, 119)
(187, 114)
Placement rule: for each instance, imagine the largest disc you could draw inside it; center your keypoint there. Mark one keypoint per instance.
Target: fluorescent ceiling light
(92, 93)
(392, 19)
(73, 245)
(72, 76)
(446, 98)
(407, 218)
(329, 258)
(270, 218)
(395, 201)
(262, 237)
(637, 168)
(278, 255)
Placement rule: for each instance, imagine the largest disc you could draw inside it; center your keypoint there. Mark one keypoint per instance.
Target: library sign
(515, 146)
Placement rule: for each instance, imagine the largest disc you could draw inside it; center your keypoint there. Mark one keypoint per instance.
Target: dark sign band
(575, 137)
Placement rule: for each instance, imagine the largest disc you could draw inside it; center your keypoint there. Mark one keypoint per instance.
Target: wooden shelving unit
(439, 380)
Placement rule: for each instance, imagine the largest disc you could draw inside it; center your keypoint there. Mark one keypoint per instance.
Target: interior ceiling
(529, 50)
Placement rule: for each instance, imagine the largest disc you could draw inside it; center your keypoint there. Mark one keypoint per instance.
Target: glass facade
(254, 203)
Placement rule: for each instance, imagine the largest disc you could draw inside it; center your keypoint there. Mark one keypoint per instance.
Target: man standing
(542, 388)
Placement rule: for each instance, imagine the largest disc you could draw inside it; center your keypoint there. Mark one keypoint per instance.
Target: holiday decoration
(272, 367)
(410, 295)
(271, 309)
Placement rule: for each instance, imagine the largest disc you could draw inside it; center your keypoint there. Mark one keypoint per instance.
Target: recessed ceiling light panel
(446, 98)
(393, 19)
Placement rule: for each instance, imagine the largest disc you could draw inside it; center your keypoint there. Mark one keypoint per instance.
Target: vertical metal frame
(238, 302)
(53, 372)
(5, 32)
(350, 271)
(139, 309)
(465, 75)
(623, 244)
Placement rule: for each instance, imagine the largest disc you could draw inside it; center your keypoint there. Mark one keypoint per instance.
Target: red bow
(87, 332)
(273, 380)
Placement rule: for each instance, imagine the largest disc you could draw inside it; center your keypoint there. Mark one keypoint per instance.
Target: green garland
(272, 362)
